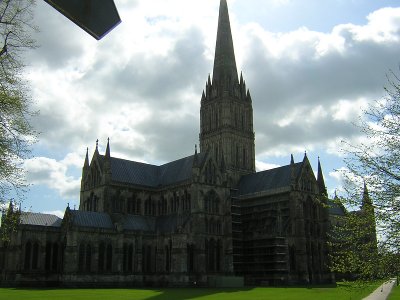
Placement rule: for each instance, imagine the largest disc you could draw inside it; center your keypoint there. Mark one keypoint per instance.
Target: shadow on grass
(150, 293)
(192, 293)
(161, 293)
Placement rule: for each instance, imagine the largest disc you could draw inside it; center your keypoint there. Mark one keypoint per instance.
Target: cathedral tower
(226, 113)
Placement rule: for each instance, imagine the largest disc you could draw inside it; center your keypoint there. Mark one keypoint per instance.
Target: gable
(209, 171)
(306, 180)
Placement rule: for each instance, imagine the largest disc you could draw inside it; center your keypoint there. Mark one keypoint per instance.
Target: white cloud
(141, 85)
(338, 174)
(383, 26)
(349, 111)
(53, 174)
(58, 213)
(262, 166)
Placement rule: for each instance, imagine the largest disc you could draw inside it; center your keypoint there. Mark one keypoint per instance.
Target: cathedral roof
(136, 222)
(268, 179)
(91, 219)
(39, 219)
(143, 174)
(335, 208)
(163, 224)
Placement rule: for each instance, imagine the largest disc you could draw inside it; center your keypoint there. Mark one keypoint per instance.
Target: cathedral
(208, 219)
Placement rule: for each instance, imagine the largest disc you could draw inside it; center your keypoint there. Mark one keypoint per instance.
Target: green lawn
(341, 292)
(395, 294)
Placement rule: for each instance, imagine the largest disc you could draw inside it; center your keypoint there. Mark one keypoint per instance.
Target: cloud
(262, 166)
(58, 213)
(54, 174)
(141, 85)
(308, 86)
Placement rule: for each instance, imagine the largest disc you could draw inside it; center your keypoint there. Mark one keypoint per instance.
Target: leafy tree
(10, 220)
(354, 252)
(16, 132)
(376, 161)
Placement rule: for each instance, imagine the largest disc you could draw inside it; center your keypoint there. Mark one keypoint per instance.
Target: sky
(312, 67)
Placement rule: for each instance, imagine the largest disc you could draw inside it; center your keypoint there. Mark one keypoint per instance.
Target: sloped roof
(91, 219)
(136, 222)
(150, 175)
(167, 223)
(267, 180)
(134, 172)
(39, 219)
(129, 222)
(336, 208)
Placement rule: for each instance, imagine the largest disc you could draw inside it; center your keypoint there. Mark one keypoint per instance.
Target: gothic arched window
(101, 256)
(28, 254)
(88, 257)
(35, 255)
(190, 258)
(109, 258)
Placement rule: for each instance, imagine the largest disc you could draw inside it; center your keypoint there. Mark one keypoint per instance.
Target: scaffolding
(262, 259)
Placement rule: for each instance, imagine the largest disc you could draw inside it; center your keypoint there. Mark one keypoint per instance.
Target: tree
(376, 161)
(16, 132)
(354, 252)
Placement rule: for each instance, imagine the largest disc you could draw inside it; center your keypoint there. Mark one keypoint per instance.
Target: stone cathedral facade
(206, 219)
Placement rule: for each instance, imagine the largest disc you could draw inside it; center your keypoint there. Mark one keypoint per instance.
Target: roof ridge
(39, 213)
(276, 168)
(134, 161)
(179, 159)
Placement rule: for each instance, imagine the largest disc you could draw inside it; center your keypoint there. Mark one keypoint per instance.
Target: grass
(395, 294)
(343, 291)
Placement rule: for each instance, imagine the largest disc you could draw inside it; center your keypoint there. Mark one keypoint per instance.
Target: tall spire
(108, 148)
(226, 112)
(225, 70)
(96, 151)
(86, 163)
(195, 158)
(320, 180)
(107, 161)
(366, 201)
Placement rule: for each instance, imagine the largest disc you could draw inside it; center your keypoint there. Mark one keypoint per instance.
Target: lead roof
(39, 219)
(92, 219)
(268, 180)
(143, 174)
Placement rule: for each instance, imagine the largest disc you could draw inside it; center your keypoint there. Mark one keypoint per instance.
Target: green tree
(354, 252)
(376, 161)
(16, 132)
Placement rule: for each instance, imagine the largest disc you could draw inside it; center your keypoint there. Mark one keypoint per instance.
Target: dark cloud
(57, 38)
(173, 138)
(168, 85)
(160, 79)
(281, 86)
(162, 85)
